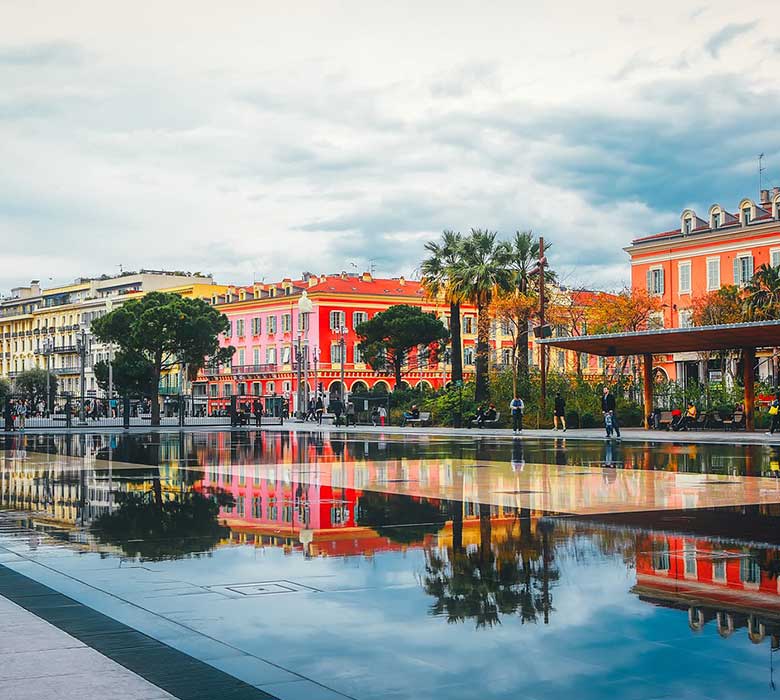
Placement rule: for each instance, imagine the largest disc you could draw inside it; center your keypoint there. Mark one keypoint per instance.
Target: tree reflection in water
(512, 576)
(399, 518)
(151, 529)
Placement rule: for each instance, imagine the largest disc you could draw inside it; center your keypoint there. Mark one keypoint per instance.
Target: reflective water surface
(416, 567)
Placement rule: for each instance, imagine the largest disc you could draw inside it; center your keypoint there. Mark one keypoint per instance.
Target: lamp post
(82, 345)
(48, 349)
(343, 359)
(304, 309)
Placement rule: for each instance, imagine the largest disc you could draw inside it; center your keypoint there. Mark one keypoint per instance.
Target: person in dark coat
(610, 414)
(559, 412)
(336, 408)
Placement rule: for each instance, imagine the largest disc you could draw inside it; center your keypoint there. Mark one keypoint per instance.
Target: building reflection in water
(186, 494)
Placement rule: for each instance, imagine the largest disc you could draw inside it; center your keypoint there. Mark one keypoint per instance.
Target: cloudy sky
(259, 139)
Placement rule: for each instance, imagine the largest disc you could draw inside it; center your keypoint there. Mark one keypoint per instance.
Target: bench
(425, 417)
(665, 420)
(736, 422)
(493, 422)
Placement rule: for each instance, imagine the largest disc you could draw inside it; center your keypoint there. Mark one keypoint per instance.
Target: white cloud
(253, 139)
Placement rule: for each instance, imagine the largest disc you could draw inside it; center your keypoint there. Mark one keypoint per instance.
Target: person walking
(382, 416)
(774, 414)
(610, 414)
(337, 408)
(21, 413)
(257, 409)
(319, 409)
(559, 412)
(516, 406)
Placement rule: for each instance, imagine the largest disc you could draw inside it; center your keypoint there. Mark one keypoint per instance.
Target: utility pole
(82, 378)
(542, 346)
(299, 357)
(343, 358)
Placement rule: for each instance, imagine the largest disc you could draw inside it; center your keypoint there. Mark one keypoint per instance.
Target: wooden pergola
(747, 337)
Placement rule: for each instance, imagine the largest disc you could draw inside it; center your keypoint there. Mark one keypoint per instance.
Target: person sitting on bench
(486, 416)
(412, 414)
(688, 419)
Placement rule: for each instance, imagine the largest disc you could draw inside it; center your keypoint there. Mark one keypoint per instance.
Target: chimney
(35, 288)
(366, 277)
(343, 274)
(775, 191)
(314, 281)
(764, 196)
(401, 281)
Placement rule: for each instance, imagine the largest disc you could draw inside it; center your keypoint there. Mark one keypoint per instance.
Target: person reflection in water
(518, 458)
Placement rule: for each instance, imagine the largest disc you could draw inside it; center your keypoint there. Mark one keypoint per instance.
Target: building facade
(43, 328)
(706, 252)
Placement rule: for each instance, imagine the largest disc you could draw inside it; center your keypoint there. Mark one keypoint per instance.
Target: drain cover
(264, 588)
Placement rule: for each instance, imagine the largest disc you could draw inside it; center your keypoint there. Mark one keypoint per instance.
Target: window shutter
(750, 268)
(661, 281)
(649, 281)
(776, 258)
(736, 270)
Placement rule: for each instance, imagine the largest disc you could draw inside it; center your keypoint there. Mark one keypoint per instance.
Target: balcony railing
(59, 350)
(254, 369)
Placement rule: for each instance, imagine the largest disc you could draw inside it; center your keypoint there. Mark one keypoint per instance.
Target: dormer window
(746, 215)
(687, 225)
(776, 208)
(716, 219)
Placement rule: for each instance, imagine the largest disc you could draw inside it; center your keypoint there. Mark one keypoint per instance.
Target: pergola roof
(758, 334)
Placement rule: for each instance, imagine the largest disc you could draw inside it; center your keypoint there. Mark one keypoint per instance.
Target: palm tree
(436, 279)
(483, 268)
(762, 294)
(524, 252)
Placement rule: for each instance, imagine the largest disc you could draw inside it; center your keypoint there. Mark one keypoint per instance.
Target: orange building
(702, 255)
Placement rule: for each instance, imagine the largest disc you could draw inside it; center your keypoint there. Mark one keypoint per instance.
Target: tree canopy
(132, 374)
(721, 306)
(165, 330)
(32, 384)
(387, 338)
(628, 310)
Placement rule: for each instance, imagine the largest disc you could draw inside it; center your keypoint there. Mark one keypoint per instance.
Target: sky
(258, 140)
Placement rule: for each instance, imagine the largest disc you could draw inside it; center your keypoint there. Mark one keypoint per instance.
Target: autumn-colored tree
(512, 312)
(762, 295)
(628, 310)
(724, 305)
(570, 309)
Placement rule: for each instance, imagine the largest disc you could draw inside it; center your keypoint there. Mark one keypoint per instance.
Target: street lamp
(48, 349)
(343, 358)
(82, 346)
(305, 307)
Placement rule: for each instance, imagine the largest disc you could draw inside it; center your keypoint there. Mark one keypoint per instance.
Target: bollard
(68, 413)
(125, 412)
(181, 411)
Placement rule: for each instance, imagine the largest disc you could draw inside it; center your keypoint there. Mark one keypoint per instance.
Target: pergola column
(647, 367)
(748, 379)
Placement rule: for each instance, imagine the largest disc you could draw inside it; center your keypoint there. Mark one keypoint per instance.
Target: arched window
(716, 217)
(747, 211)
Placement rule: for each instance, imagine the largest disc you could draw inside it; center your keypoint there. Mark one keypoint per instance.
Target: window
(506, 356)
(257, 507)
(655, 321)
(256, 356)
(270, 388)
(655, 280)
(422, 356)
(335, 352)
(358, 356)
(359, 317)
(286, 355)
(746, 215)
(713, 274)
(271, 325)
(774, 257)
(661, 560)
(286, 323)
(240, 328)
(227, 390)
(716, 219)
(718, 567)
(242, 389)
(303, 321)
(686, 318)
(687, 225)
(242, 357)
(229, 331)
(270, 356)
(468, 355)
(684, 275)
(743, 269)
(213, 390)
(257, 325)
(689, 559)
(749, 571)
(561, 359)
(273, 511)
(256, 389)
(468, 324)
(338, 320)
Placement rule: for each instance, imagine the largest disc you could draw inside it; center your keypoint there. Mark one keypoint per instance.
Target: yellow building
(44, 327)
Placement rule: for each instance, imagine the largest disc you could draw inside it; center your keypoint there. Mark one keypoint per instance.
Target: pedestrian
(516, 406)
(21, 413)
(311, 410)
(610, 414)
(319, 409)
(559, 412)
(774, 414)
(382, 416)
(337, 408)
(350, 416)
(257, 409)
(374, 416)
